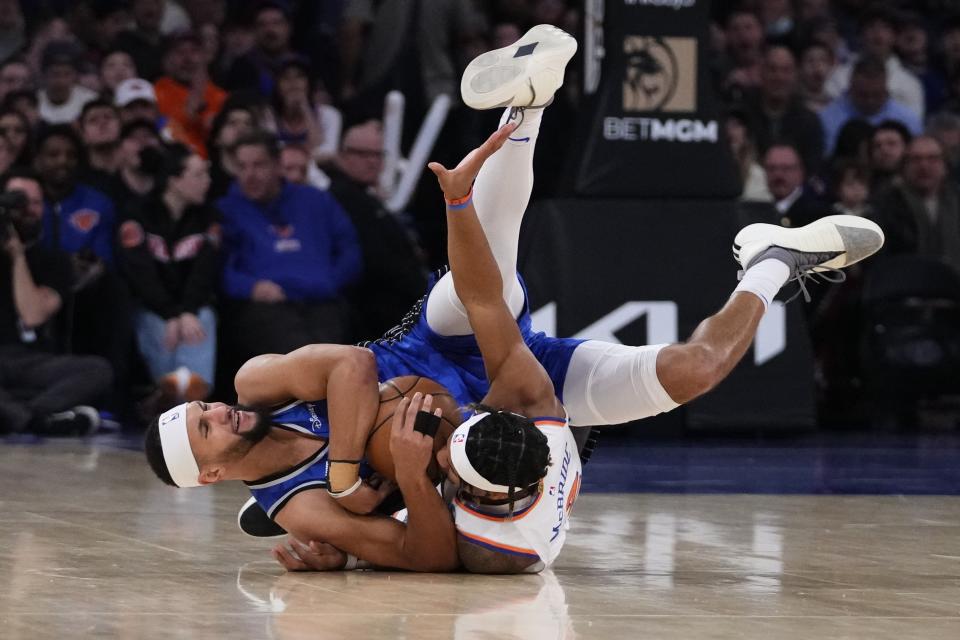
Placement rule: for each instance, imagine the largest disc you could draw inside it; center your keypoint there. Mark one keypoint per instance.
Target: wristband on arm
(460, 203)
(343, 477)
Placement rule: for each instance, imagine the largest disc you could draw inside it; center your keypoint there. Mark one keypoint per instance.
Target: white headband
(176, 447)
(461, 462)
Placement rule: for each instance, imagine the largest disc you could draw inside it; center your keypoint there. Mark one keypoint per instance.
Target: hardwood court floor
(91, 546)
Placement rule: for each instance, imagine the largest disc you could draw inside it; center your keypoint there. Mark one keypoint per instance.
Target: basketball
(391, 393)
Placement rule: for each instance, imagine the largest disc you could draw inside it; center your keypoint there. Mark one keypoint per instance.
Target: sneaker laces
(516, 113)
(806, 276)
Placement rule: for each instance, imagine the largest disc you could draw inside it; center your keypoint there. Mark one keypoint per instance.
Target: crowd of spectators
(853, 107)
(201, 178)
(199, 183)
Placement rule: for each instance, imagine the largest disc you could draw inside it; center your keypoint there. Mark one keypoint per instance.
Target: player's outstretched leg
(612, 384)
(522, 78)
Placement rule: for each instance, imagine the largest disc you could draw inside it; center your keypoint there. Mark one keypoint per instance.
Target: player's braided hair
(507, 448)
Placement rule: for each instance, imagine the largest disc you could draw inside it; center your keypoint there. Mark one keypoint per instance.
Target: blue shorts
(455, 361)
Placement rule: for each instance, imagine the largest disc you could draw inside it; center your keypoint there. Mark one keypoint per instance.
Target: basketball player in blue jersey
(599, 383)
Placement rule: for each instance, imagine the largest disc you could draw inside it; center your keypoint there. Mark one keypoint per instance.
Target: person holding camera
(40, 390)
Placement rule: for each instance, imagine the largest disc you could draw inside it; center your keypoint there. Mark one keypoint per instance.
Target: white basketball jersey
(539, 529)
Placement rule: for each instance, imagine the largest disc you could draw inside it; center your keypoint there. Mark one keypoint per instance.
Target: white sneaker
(850, 238)
(525, 74)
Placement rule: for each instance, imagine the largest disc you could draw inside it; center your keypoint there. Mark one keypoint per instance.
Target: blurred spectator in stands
(945, 127)
(174, 18)
(851, 189)
(77, 219)
(100, 131)
(824, 30)
(950, 44)
(816, 64)
(169, 254)
(107, 20)
(299, 168)
(39, 390)
(290, 252)
(778, 20)
(913, 48)
(12, 28)
(887, 149)
(294, 163)
(744, 59)
(51, 29)
(26, 103)
(867, 99)
(234, 121)
(878, 35)
(81, 221)
(185, 95)
(294, 117)
(15, 128)
(745, 152)
(144, 42)
(115, 67)
(394, 271)
(134, 180)
(61, 97)
(136, 100)
(777, 113)
(794, 205)
(853, 142)
(6, 156)
(505, 34)
(257, 69)
(15, 75)
(808, 10)
(384, 48)
(921, 214)
(203, 12)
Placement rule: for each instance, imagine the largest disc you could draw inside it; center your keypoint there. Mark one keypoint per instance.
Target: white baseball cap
(133, 89)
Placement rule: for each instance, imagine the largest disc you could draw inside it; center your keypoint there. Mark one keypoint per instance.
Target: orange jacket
(172, 102)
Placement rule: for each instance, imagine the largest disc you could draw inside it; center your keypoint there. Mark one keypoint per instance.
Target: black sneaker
(77, 422)
(254, 521)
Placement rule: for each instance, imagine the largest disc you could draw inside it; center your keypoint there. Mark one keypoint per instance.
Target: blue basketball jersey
(413, 348)
(309, 419)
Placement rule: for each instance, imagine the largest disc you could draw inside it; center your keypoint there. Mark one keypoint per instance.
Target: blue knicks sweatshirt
(83, 220)
(302, 241)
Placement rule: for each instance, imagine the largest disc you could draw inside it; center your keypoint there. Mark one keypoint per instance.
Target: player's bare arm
(346, 377)
(426, 543)
(517, 381)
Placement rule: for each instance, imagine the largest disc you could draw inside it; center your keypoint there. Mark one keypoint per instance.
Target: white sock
(764, 280)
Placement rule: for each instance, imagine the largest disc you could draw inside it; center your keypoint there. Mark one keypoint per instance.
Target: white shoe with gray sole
(525, 74)
(822, 247)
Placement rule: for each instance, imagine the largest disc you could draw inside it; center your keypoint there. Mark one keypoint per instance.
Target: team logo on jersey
(460, 437)
(660, 74)
(187, 248)
(315, 420)
(131, 234)
(284, 231)
(84, 220)
(158, 247)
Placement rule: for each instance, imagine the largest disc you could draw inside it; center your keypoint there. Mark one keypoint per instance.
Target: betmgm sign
(654, 107)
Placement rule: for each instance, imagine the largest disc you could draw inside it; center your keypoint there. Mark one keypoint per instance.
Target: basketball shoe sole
(525, 74)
